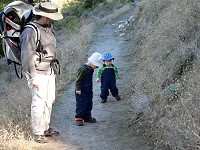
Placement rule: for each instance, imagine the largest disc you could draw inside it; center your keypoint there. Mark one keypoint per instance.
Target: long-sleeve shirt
(101, 69)
(81, 76)
(29, 56)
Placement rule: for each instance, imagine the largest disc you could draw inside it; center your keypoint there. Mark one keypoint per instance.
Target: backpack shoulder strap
(36, 29)
(37, 33)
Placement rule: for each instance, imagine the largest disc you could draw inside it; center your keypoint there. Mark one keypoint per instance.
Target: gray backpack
(13, 19)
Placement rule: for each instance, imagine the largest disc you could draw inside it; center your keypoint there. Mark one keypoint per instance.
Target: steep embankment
(166, 80)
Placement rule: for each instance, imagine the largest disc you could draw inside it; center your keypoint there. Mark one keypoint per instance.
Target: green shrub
(72, 22)
(91, 3)
(69, 23)
(71, 13)
(74, 9)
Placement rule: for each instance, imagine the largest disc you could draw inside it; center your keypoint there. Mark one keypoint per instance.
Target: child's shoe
(118, 98)
(103, 100)
(79, 122)
(90, 120)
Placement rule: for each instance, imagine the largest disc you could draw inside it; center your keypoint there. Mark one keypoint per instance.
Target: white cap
(95, 59)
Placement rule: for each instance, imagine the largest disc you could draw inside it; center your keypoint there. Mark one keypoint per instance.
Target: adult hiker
(39, 66)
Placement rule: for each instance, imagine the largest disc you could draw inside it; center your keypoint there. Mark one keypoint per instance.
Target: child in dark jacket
(108, 74)
(84, 90)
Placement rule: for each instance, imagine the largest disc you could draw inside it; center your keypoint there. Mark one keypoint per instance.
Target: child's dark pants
(83, 106)
(108, 81)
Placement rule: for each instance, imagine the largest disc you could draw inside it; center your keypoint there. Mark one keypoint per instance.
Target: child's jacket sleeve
(99, 72)
(116, 72)
(80, 75)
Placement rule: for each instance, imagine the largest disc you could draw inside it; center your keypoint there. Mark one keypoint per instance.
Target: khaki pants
(42, 100)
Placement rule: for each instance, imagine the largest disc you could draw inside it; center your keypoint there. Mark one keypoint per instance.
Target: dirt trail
(111, 131)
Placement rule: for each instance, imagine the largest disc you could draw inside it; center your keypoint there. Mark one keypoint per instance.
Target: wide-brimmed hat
(48, 10)
(95, 59)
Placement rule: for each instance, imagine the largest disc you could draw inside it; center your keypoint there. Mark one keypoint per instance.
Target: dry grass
(12, 137)
(115, 14)
(15, 125)
(71, 52)
(166, 77)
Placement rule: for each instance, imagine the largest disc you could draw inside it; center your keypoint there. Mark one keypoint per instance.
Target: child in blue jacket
(108, 74)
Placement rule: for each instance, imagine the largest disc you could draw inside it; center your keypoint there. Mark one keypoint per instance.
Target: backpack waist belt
(54, 64)
(44, 60)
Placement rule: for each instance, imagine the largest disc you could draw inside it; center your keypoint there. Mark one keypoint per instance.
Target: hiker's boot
(51, 132)
(41, 139)
(118, 98)
(103, 100)
(90, 120)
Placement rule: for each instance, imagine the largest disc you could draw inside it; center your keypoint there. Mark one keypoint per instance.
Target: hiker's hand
(98, 80)
(35, 86)
(78, 92)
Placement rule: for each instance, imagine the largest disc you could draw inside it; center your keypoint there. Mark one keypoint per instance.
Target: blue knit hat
(107, 56)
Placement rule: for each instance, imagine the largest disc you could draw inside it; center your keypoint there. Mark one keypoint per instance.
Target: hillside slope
(165, 74)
